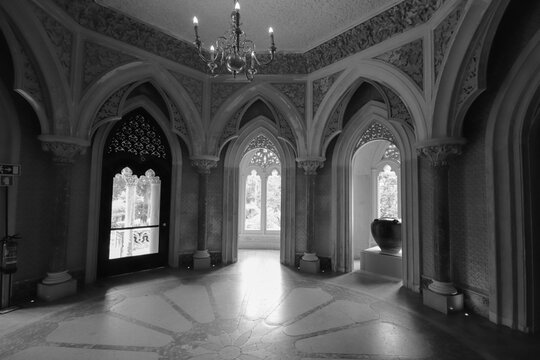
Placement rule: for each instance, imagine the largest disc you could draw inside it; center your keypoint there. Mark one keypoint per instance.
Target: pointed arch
(342, 257)
(278, 101)
(140, 72)
(233, 157)
(375, 72)
(98, 144)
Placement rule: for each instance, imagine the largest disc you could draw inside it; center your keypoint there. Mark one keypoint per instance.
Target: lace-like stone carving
(137, 136)
(204, 166)
(31, 84)
(438, 155)
(111, 107)
(193, 87)
(334, 124)
(443, 34)
(220, 92)
(98, 60)
(285, 130)
(321, 87)
(409, 59)
(61, 39)
(232, 126)
(376, 131)
(264, 158)
(63, 153)
(396, 108)
(261, 142)
(296, 94)
(392, 153)
(470, 83)
(310, 166)
(178, 122)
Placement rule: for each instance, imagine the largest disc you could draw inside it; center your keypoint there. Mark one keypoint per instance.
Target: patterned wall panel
(470, 83)
(179, 124)
(426, 216)
(189, 206)
(296, 93)
(194, 88)
(397, 108)
(215, 208)
(110, 107)
(98, 60)
(442, 36)
(220, 92)
(321, 87)
(61, 39)
(300, 212)
(409, 59)
(285, 131)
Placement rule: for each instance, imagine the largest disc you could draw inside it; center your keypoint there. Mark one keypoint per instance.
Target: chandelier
(233, 49)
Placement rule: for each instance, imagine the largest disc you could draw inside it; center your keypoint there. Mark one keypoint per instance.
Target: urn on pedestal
(387, 234)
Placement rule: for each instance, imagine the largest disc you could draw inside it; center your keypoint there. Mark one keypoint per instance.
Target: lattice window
(137, 136)
(262, 142)
(392, 153)
(264, 158)
(375, 132)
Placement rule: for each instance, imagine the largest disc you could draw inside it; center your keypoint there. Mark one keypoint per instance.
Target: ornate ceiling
(299, 25)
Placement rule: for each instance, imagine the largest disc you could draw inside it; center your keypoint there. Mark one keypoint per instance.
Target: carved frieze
(376, 131)
(442, 36)
(61, 39)
(99, 60)
(396, 20)
(63, 152)
(296, 93)
(438, 155)
(220, 92)
(203, 165)
(110, 108)
(310, 166)
(321, 87)
(409, 59)
(193, 87)
(397, 108)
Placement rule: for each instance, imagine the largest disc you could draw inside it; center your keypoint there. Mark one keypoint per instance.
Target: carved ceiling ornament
(439, 154)
(442, 36)
(296, 93)
(220, 92)
(321, 87)
(61, 39)
(408, 58)
(397, 108)
(111, 107)
(193, 87)
(204, 165)
(310, 166)
(376, 131)
(98, 60)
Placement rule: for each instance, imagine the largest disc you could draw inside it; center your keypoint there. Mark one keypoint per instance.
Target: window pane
(387, 193)
(273, 201)
(253, 202)
(133, 242)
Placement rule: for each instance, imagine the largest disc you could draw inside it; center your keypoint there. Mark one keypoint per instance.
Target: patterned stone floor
(255, 309)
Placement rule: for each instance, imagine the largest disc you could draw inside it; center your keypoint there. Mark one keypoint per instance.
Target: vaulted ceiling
(299, 25)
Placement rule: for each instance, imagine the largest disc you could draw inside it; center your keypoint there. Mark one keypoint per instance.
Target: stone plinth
(371, 260)
(51, 292)
(443, 303)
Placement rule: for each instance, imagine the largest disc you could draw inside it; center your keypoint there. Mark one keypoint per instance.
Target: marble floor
(254, 309)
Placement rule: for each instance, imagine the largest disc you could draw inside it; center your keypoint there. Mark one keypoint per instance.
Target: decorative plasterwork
(193, 87)
(396, 20)
(179, 125)
(30, 81)
(231, 128)
(99, 60)
(442, 36)
(63, 152)
(60, 37)
(121, 27)
(310, 166)
(220, 92)
(376, 131)
(392, 153)
(470, 82)
(321, 87)
(409, 59)
(397, 108)
(203, 165)
(438, 155)
(110, 108)
(296, 93)
(261, 142)
(285, 130)
(334, 124)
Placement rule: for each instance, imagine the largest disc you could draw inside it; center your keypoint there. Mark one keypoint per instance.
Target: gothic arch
(140, 72)
(346, 146)
(378, 73)
(509, 121)
(99, 141)
(279, 103)
(235, 152)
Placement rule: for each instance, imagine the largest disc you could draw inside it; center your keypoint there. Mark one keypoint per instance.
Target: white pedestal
(310, 263)
(443, 303)
(371, 260)
(51, 292)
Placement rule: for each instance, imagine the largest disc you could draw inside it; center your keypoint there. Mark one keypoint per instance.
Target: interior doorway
(135, 197)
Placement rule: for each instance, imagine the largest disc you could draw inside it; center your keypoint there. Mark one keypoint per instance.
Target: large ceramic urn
(387, 234)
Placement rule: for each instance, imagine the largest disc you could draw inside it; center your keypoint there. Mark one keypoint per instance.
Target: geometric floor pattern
(256, 309)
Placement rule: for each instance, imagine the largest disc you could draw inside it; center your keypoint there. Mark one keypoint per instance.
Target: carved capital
(204, 165)
(438, 155)
(310, 166)
(63, 149)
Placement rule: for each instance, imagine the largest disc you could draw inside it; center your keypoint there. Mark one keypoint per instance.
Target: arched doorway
(135, 196)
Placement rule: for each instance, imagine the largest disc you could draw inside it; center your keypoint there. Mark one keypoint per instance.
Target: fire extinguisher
(8, 264)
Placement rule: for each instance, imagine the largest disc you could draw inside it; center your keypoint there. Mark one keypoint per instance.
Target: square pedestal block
(443, 303)
(201, 263)
(57, 291)
(382, 264)
(311, 267)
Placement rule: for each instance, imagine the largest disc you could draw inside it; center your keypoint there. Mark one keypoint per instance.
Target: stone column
(438, 155)
(58, 282)
(201, 257)
(310, 261)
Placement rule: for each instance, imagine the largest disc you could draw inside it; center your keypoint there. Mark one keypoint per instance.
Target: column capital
(204, 164)
(438, 151)
(310, 165)
(63, 148)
